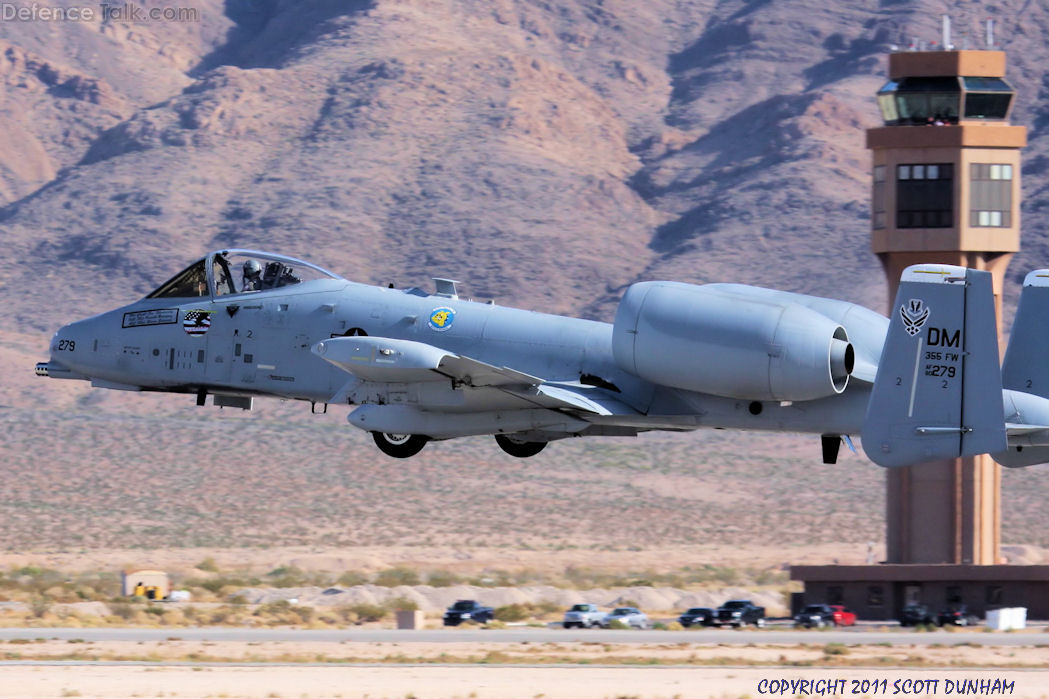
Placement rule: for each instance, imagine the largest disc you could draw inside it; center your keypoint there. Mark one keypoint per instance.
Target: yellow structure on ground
(152, 584)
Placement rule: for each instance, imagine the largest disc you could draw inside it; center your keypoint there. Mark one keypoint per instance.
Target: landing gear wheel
(517, 447)
(399, 446)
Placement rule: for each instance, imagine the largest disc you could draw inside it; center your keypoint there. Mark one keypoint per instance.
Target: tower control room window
(991, 195)
(925, 195)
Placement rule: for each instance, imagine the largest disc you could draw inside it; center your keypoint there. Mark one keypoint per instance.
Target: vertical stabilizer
(1026, 367)
(938, 390)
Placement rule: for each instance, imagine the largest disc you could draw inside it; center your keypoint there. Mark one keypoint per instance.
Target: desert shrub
(369, 612)
(288, 576)
(547, 607)
(284, 612)
(618, 624)
(359, 613)
(208, 565)
(216, 584)
(513, 612)
(443, 578)
(402, 604)
(123, 610)
(835, 649)
(281, 605)
(393, 577)
(40, 605)
(674, 626)
(219, 615)
(351, 578)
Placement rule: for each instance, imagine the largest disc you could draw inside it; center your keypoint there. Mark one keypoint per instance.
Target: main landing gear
(518, 447)
(399, 446)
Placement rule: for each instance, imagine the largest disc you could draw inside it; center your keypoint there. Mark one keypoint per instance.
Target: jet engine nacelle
(729, 343)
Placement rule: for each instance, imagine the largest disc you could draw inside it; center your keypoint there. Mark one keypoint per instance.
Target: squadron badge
(441, 319)
(914, 314)
(196, 322)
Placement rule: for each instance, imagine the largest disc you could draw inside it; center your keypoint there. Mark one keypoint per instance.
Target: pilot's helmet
(252, 269)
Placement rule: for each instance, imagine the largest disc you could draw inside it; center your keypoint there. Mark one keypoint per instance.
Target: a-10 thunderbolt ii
(421, 366)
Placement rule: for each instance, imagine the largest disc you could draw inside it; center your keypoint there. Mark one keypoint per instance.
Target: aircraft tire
(399, 446)
(518, 448)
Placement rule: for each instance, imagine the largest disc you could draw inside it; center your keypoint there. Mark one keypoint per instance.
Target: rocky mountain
(547, 154)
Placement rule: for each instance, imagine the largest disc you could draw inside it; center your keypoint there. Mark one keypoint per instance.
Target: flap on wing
(390, 360)
(477, 374)
(589, 403)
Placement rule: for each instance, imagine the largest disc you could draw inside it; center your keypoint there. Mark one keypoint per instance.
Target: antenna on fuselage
(446, 288)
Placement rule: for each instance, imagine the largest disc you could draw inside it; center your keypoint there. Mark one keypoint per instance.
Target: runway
(855, 636)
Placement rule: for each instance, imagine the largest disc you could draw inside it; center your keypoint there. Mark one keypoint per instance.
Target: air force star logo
(914, 314)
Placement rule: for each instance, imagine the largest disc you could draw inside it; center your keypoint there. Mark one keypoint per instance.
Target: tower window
(991, 195)
(925, 195)
(878, 198)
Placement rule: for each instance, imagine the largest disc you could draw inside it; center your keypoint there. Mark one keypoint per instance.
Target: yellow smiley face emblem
(441, 319)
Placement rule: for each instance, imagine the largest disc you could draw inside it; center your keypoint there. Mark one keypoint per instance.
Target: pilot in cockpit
(252, 276)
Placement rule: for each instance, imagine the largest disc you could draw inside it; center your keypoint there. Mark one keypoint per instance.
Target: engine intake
(730, 343)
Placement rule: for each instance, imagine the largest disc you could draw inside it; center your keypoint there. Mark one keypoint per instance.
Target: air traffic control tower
(946, 188)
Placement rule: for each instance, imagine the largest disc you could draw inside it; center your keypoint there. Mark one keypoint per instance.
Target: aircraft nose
(69, 348)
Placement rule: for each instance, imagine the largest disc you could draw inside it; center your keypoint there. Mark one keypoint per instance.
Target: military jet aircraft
(425, 366)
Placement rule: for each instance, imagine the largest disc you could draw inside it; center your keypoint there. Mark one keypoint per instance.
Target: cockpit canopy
(228, 272)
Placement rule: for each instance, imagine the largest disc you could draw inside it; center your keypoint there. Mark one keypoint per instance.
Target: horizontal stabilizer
(938, 371)
(1017, 457)
(1027, 424)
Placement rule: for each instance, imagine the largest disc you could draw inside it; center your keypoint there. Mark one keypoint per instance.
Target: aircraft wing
(402, 361)
(387, 360)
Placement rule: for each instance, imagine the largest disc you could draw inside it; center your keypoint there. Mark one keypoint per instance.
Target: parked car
(584, 616)
(916, 615)
(697, 615)
(815, 616)
(468, 610)
(843, 616)
(631, 616)
(957, 615)
(739, 612)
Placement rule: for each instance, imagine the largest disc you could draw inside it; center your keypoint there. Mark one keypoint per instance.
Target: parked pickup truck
(584, 616)
(467, 610)
(739, 612)
(815, 616)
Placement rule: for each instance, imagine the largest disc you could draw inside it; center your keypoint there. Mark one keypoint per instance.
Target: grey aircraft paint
(421, 366)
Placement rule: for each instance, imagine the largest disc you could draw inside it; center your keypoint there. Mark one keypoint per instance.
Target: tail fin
(938, 390)
(1025, 367)
(1026, 370)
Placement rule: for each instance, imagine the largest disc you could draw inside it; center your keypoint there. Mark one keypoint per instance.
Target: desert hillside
(546, 154)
